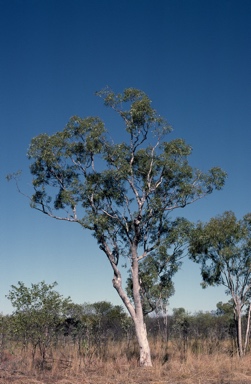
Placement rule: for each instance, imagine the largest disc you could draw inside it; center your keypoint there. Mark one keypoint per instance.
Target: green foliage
(157, 270)
(222, 247)
(123, 192)
(225, 309)
(38, 310)
(181, 322)
(92, 326)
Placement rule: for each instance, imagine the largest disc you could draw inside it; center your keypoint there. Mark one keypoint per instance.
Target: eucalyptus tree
(123, 192)
(223, 249)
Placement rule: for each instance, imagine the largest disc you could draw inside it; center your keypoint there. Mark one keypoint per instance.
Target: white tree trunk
(239, 329)
(140, 327)
(247, 330)
(144, 348)
(135, 311)
(240, 347)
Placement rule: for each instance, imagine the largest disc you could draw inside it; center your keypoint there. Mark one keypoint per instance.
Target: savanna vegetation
(49, 339)
(126, 194)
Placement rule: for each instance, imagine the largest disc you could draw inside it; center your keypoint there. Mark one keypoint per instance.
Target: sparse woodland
(96, 343)
(126, 194)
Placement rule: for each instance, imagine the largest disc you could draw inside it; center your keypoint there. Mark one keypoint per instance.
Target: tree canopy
(38, 309)
(223, 249)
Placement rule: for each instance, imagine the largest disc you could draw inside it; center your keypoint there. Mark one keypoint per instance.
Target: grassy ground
(117, 366)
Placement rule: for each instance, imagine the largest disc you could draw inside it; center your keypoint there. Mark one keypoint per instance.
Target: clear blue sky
(192, 57)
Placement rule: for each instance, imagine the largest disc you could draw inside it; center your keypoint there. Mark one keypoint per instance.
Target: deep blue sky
(192, 58)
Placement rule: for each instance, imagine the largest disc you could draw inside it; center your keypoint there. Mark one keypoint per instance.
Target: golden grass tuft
(117, 363)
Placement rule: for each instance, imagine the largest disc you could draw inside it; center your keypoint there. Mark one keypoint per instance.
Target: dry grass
(118, 364)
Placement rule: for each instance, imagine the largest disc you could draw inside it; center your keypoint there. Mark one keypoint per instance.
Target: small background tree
(223, 249)
(38, 310)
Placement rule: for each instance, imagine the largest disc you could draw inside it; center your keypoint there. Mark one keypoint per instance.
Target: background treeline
(45, 326)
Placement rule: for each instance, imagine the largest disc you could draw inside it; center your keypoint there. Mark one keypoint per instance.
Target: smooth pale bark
(138, 319)
(140, 327)
(238, 322)
(144, 348)
(242, 349)
(239, 334)
(136, 310)
(247, 330)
